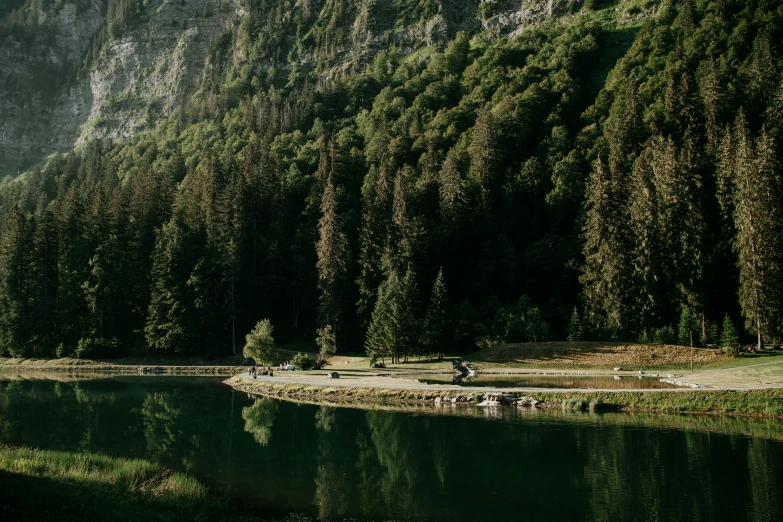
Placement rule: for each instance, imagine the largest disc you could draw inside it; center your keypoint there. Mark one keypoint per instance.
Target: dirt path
(352, 380)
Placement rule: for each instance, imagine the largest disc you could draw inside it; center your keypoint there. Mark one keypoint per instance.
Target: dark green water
(273, 457)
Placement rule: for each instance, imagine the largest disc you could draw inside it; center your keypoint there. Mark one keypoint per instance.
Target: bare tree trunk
(758, 330)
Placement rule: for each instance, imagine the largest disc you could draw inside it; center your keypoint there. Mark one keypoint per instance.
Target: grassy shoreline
(763, 403)
(137, 365)
(61, 485)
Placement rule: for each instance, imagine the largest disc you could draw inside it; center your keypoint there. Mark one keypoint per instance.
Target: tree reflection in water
(162, 429)
(393, 439)
(331, 479)
(259, 419)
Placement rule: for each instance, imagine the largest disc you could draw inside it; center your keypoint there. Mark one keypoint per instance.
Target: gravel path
(348, 380)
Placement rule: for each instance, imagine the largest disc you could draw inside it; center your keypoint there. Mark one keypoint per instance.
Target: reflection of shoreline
(714, 424)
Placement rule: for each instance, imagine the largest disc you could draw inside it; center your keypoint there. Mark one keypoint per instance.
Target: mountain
(77, 70)
(599, 170)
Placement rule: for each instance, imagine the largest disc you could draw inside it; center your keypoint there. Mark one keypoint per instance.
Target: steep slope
(77, 70)
(54, 94)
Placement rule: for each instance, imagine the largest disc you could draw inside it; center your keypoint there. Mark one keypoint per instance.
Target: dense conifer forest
(579, 180)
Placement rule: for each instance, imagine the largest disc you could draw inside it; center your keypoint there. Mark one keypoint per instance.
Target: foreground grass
(59, 485)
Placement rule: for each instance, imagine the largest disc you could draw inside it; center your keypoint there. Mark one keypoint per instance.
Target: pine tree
(712, 99)
(15, 285)
(327, 344)
(687, 328)
(774, 115)
(758, 242)
(376, 218)
(605, 268)
(73, 268)
(104, 290)
(575, 327)
(680, 220)
(332, 250)
(452, 197)
(45, 284)
(646, 252)
(400, 240)
(170, 327)
(729, 340)
(483, 154)
(375, 340)
(724, 172)
(399, 325)
(624, 133)
(437, 333)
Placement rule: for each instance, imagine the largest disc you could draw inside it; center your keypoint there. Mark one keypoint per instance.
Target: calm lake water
(273, 457)
(546, 381)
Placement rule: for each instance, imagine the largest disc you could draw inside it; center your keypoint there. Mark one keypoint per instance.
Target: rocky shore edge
(442, 398)
(763, 403)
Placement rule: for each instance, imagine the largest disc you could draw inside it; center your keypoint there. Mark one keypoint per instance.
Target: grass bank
(128, 365)
(163, 364)
(60, 485)
(597, 355)
(747, 403)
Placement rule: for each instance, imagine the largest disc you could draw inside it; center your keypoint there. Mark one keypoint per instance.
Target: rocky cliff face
(136, 79)
(51, 100)
(34, 77)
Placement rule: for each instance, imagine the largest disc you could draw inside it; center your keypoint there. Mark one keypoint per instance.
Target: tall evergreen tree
(15, 285)
(452, 198)
(377, 199)
(169, 327)
(757, 218)
(399, 326)
(375, 343)
(45, 278)
(437, 333)
(483, 154)
(400, 240)
(604, 272)
(646, 252)
(332, 250)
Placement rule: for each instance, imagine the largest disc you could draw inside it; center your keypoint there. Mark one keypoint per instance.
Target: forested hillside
(420, 181)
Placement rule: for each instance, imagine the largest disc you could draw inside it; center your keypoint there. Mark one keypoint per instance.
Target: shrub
(574, 404)
(63, 350)
(664, 335)
(91, 347)
(304, 361)
(486, 341)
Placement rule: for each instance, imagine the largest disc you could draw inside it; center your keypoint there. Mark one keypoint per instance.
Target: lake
(272, 457)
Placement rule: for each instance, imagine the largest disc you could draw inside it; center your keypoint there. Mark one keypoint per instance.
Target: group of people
(254, 372)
